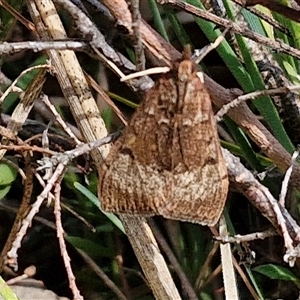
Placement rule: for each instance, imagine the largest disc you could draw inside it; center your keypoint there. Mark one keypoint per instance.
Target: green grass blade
(177, 27)
(113, 218)
(263, 104)
(6, 292)
(158, 22)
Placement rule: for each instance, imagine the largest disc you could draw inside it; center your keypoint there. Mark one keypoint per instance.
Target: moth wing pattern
(200, 180)
(168, 161)
(131, 180)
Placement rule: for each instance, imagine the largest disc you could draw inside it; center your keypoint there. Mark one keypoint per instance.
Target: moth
(168, 161)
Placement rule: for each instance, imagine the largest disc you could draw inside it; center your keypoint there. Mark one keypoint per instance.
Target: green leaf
(113, 218)
(6, 292)
(276, 272)
(122, 99)
(158, 22)
(263, 104)
(177, 27)
(7, 174)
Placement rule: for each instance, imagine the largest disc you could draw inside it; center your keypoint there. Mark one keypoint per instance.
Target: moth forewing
(168, 161)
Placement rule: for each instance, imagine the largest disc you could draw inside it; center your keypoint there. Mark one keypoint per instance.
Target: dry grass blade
(23, 109)
(229, 279)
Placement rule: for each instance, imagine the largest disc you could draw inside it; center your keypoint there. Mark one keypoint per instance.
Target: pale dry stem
(26, 223)
(229, 279)
(59, 119)
(286, 179)
(247, 237)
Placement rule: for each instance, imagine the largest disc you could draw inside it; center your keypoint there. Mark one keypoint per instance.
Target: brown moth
(168, 161)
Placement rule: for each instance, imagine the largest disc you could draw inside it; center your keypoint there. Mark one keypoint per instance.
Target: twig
(202, 273)
(88, 28)
(28, 272)
(66, 157)
(286, 179)
(284, 10)
(177, 268)
(261, 198)
(151, 71)
(198, 56)
(17, 15)
(245, 279)
(26, 223)
(105, 97)
(101, 274)
(251, 96)
(14, 47)
(59, 119)
(265, 17)
(138, 45)
(28, 187)
(62, 244)
(247, 237)
(79, 217)
(26, 147)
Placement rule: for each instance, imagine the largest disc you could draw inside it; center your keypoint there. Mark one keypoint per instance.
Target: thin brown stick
(186, 285)
(200, 279)
(28, 187)
(62, 245)
(245, 279)
(138, 45)
(101, 274)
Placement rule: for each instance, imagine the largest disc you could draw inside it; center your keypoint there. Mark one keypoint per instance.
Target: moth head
(185, 69)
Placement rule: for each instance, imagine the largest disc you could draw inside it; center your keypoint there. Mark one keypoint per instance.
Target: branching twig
(261, 198)
(9, 48)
